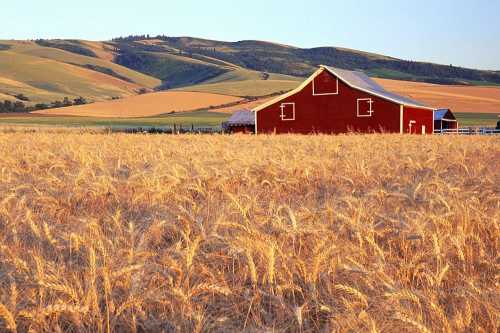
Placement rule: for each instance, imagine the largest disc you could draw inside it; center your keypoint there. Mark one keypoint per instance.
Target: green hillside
(173, 70)
(276, 58)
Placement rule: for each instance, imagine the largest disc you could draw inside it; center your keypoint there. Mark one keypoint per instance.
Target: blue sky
(465, 33)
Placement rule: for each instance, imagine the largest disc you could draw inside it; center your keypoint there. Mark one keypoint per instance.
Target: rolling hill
(45, 74)
(48, 70)
(283, 59)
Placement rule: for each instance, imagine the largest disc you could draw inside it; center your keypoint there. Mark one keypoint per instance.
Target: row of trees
(18, 106)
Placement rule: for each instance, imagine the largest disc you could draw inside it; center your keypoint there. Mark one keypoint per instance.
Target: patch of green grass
(254, 88)
(242, 74)
(385, 73)
(477, 119)
(173, 70)
(198, 119)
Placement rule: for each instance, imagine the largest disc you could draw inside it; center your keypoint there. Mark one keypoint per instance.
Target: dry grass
(145, 105)
(458, 98)
(47, 74)
(380, 233)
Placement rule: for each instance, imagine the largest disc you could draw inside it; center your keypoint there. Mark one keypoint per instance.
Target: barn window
(365, 107)
(324, 85)
(287, 111)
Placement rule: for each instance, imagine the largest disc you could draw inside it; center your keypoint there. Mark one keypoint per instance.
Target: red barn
(338, 101)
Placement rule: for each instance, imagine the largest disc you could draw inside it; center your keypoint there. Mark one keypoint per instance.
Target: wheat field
(363, 233)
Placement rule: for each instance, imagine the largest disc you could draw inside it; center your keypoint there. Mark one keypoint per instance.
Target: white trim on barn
(325, 94)
(434, 120)
(283, 115)
(255, 115)
(401, 121)
(290, 93)
(370, 111)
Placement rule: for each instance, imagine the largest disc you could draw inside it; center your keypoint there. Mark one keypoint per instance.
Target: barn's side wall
(330, 113)
(418, 118)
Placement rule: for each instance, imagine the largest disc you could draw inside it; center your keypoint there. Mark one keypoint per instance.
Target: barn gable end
(338, 101)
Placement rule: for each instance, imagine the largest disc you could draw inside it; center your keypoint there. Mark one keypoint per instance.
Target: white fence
(469, 131)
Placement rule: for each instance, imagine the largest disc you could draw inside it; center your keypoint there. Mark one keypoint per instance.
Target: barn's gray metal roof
(242, 117)
(361, 81)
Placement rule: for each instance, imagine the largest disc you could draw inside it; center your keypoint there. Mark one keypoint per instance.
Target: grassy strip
(198, 119)
(477, 119)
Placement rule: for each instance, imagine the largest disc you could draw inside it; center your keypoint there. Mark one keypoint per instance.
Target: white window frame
(283, 116)
(370, 112)
(325, 94)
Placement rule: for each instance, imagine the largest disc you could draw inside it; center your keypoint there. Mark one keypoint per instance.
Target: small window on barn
(364, 107)
(325, 84)
(287, 111)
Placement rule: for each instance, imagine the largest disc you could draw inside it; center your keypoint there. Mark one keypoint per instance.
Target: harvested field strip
(146, 105)
(458, 98)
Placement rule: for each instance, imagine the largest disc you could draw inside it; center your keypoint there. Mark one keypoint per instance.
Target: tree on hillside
(66, 102)
(22, 97)
(56, 104)
(8, 106)
(18, 107)
(41, 106)
(79, 101)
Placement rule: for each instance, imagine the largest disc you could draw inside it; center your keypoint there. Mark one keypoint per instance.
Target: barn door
(412, 127)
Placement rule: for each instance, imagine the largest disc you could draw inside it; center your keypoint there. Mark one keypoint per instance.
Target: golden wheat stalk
(8, 318)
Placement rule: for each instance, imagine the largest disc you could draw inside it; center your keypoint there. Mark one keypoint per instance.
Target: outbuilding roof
(441, 114)
(361, 81)
(242, 118)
